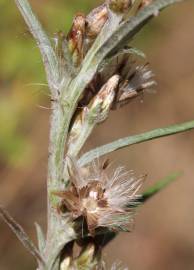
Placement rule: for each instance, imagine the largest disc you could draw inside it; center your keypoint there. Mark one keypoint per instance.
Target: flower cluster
(102, 200)
(121, 77)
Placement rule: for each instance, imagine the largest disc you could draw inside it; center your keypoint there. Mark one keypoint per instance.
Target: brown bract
(96, 20)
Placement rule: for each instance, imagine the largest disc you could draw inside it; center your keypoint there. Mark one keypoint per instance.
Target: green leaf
(127, 141)
(159, 186)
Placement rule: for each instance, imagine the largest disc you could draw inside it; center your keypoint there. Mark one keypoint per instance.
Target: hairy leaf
(143, 137)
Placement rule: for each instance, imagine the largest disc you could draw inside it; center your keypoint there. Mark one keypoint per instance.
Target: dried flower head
(138, 79)
(103, 200)
(120, 6)
(135, 78)
(96, 20)
(76, 38)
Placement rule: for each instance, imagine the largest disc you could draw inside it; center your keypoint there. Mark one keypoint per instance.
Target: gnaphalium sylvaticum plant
(90, 71)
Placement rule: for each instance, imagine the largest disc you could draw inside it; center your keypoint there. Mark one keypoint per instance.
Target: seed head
(139, 79)
(103, 200)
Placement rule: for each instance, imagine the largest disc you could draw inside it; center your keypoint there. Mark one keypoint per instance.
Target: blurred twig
(21, 235)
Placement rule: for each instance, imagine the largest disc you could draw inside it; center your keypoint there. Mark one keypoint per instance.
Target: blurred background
(163, 237)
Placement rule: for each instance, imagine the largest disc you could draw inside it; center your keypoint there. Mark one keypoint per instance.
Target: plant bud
(96, 20)
(102, 102)
(78, 125)
(76, 39)
(66, 264)
(145, 3)
(95, 113)
(86, 259)
(120, 6)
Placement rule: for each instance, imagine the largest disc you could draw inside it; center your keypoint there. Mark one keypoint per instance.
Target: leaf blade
(135, 139)
(158, 186)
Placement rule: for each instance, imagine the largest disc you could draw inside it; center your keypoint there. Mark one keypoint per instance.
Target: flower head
(95, 20)
(135, 78)
(138, 80)
(103, 199)
(76, 39)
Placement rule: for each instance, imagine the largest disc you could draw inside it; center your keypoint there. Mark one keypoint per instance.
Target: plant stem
(47, 52)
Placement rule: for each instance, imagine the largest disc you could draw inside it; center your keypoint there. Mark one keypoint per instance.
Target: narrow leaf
(40, 237)
(143, 137)
(43, 42)
(21, 235)
(160, 185)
